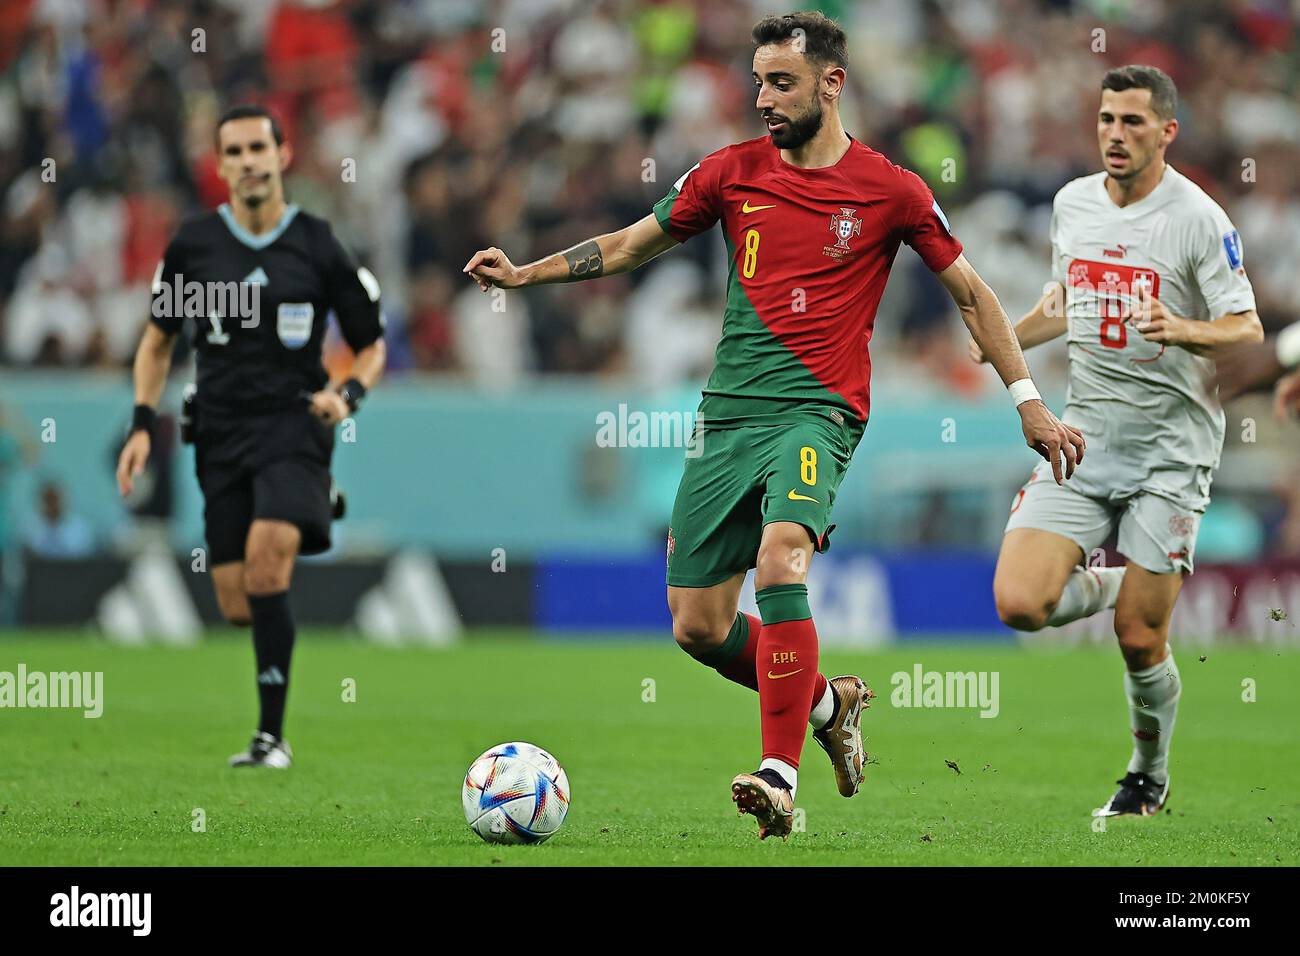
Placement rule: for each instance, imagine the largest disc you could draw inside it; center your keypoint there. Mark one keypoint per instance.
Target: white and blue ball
(515, 793)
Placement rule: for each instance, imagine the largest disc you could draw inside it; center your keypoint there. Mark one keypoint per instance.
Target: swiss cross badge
(1144, 278)
(845, 226)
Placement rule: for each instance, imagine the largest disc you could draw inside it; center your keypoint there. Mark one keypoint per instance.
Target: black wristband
(143, 419)
(352, 392)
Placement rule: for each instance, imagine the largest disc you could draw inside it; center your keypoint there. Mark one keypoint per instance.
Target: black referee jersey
(260, 304)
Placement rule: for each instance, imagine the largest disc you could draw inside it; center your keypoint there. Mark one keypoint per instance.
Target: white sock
(1087, 591)
(823, 710)
(788, 773)
(1153, 704)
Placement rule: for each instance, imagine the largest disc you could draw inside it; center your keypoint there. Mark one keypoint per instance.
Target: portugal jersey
(1141, 399)
(809, 251)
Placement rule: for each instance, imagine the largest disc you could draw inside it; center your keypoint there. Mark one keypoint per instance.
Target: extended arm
(605, 255)
(368, 366)
(992, 331)
(1044, 322)
(988, 324)
(1158, 323)
(153, 359)
(332, 406)
(1235, 328)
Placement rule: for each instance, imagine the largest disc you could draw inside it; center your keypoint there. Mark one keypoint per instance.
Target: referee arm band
(352, 392)
(1023, 390)
(143, 419)
(1288, 346)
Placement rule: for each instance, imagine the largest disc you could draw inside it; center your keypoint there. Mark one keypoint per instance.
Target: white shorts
(1158, 509)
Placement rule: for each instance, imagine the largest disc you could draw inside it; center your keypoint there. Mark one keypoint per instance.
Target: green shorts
(747, 476)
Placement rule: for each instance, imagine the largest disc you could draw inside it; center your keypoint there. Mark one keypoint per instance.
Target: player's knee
(1022, 610)
(1141, 644)
(698, 633)
(268, 560)
(781, 564)
(265, 580)
(266, 570)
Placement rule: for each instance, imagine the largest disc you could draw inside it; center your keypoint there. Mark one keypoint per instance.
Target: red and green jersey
(809, 253)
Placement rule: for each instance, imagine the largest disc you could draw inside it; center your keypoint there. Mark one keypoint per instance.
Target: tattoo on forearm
(585, 260)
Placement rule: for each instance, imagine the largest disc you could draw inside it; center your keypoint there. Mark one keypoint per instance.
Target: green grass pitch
(377, 781)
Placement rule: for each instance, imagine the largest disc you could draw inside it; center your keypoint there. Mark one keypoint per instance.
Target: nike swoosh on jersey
(772, 676)
(748, 208)
(795, 496)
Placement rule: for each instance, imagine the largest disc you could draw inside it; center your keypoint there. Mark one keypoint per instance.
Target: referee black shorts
(274, 466)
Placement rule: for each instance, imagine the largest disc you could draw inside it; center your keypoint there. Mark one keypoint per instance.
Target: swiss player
(1150, 285)
(263, 412)
(812, 220)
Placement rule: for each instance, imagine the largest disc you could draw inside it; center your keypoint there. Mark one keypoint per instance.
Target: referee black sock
(272, 647)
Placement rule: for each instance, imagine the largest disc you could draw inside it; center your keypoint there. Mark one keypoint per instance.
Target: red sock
(787, 670)
(740, 668)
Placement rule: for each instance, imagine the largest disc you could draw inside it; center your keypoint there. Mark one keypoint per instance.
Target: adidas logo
(271, 676)
(256, 277)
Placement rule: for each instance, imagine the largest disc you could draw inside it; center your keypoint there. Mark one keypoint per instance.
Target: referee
(259, 278)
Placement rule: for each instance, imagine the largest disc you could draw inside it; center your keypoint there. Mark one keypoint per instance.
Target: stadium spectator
(429, 125)
(485, 118)
(55, 532)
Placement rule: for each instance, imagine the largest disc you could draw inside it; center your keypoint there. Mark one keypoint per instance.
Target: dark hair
(250, 111)
(824, 41)
(1164, 95)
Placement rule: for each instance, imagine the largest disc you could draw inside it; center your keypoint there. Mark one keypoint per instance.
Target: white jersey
(1133, 398)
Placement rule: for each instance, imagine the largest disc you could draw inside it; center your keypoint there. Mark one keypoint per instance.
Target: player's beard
(1134, 168)
(1127, 174)
(799, 131)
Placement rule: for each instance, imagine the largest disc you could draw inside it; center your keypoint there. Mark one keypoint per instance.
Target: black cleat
(338, 502)
(1138, 795)
(265, 751)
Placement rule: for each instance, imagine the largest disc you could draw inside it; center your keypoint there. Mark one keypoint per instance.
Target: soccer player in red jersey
(812, 219)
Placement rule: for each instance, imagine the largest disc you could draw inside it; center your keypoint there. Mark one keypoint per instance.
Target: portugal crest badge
(845, 226)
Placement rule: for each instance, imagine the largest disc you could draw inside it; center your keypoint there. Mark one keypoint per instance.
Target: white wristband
(1023, 391)
(1288, 346)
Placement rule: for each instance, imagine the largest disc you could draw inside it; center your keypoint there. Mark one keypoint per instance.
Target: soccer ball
(515, 793)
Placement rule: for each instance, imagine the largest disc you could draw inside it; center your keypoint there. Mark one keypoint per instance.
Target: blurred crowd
(425, 129)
